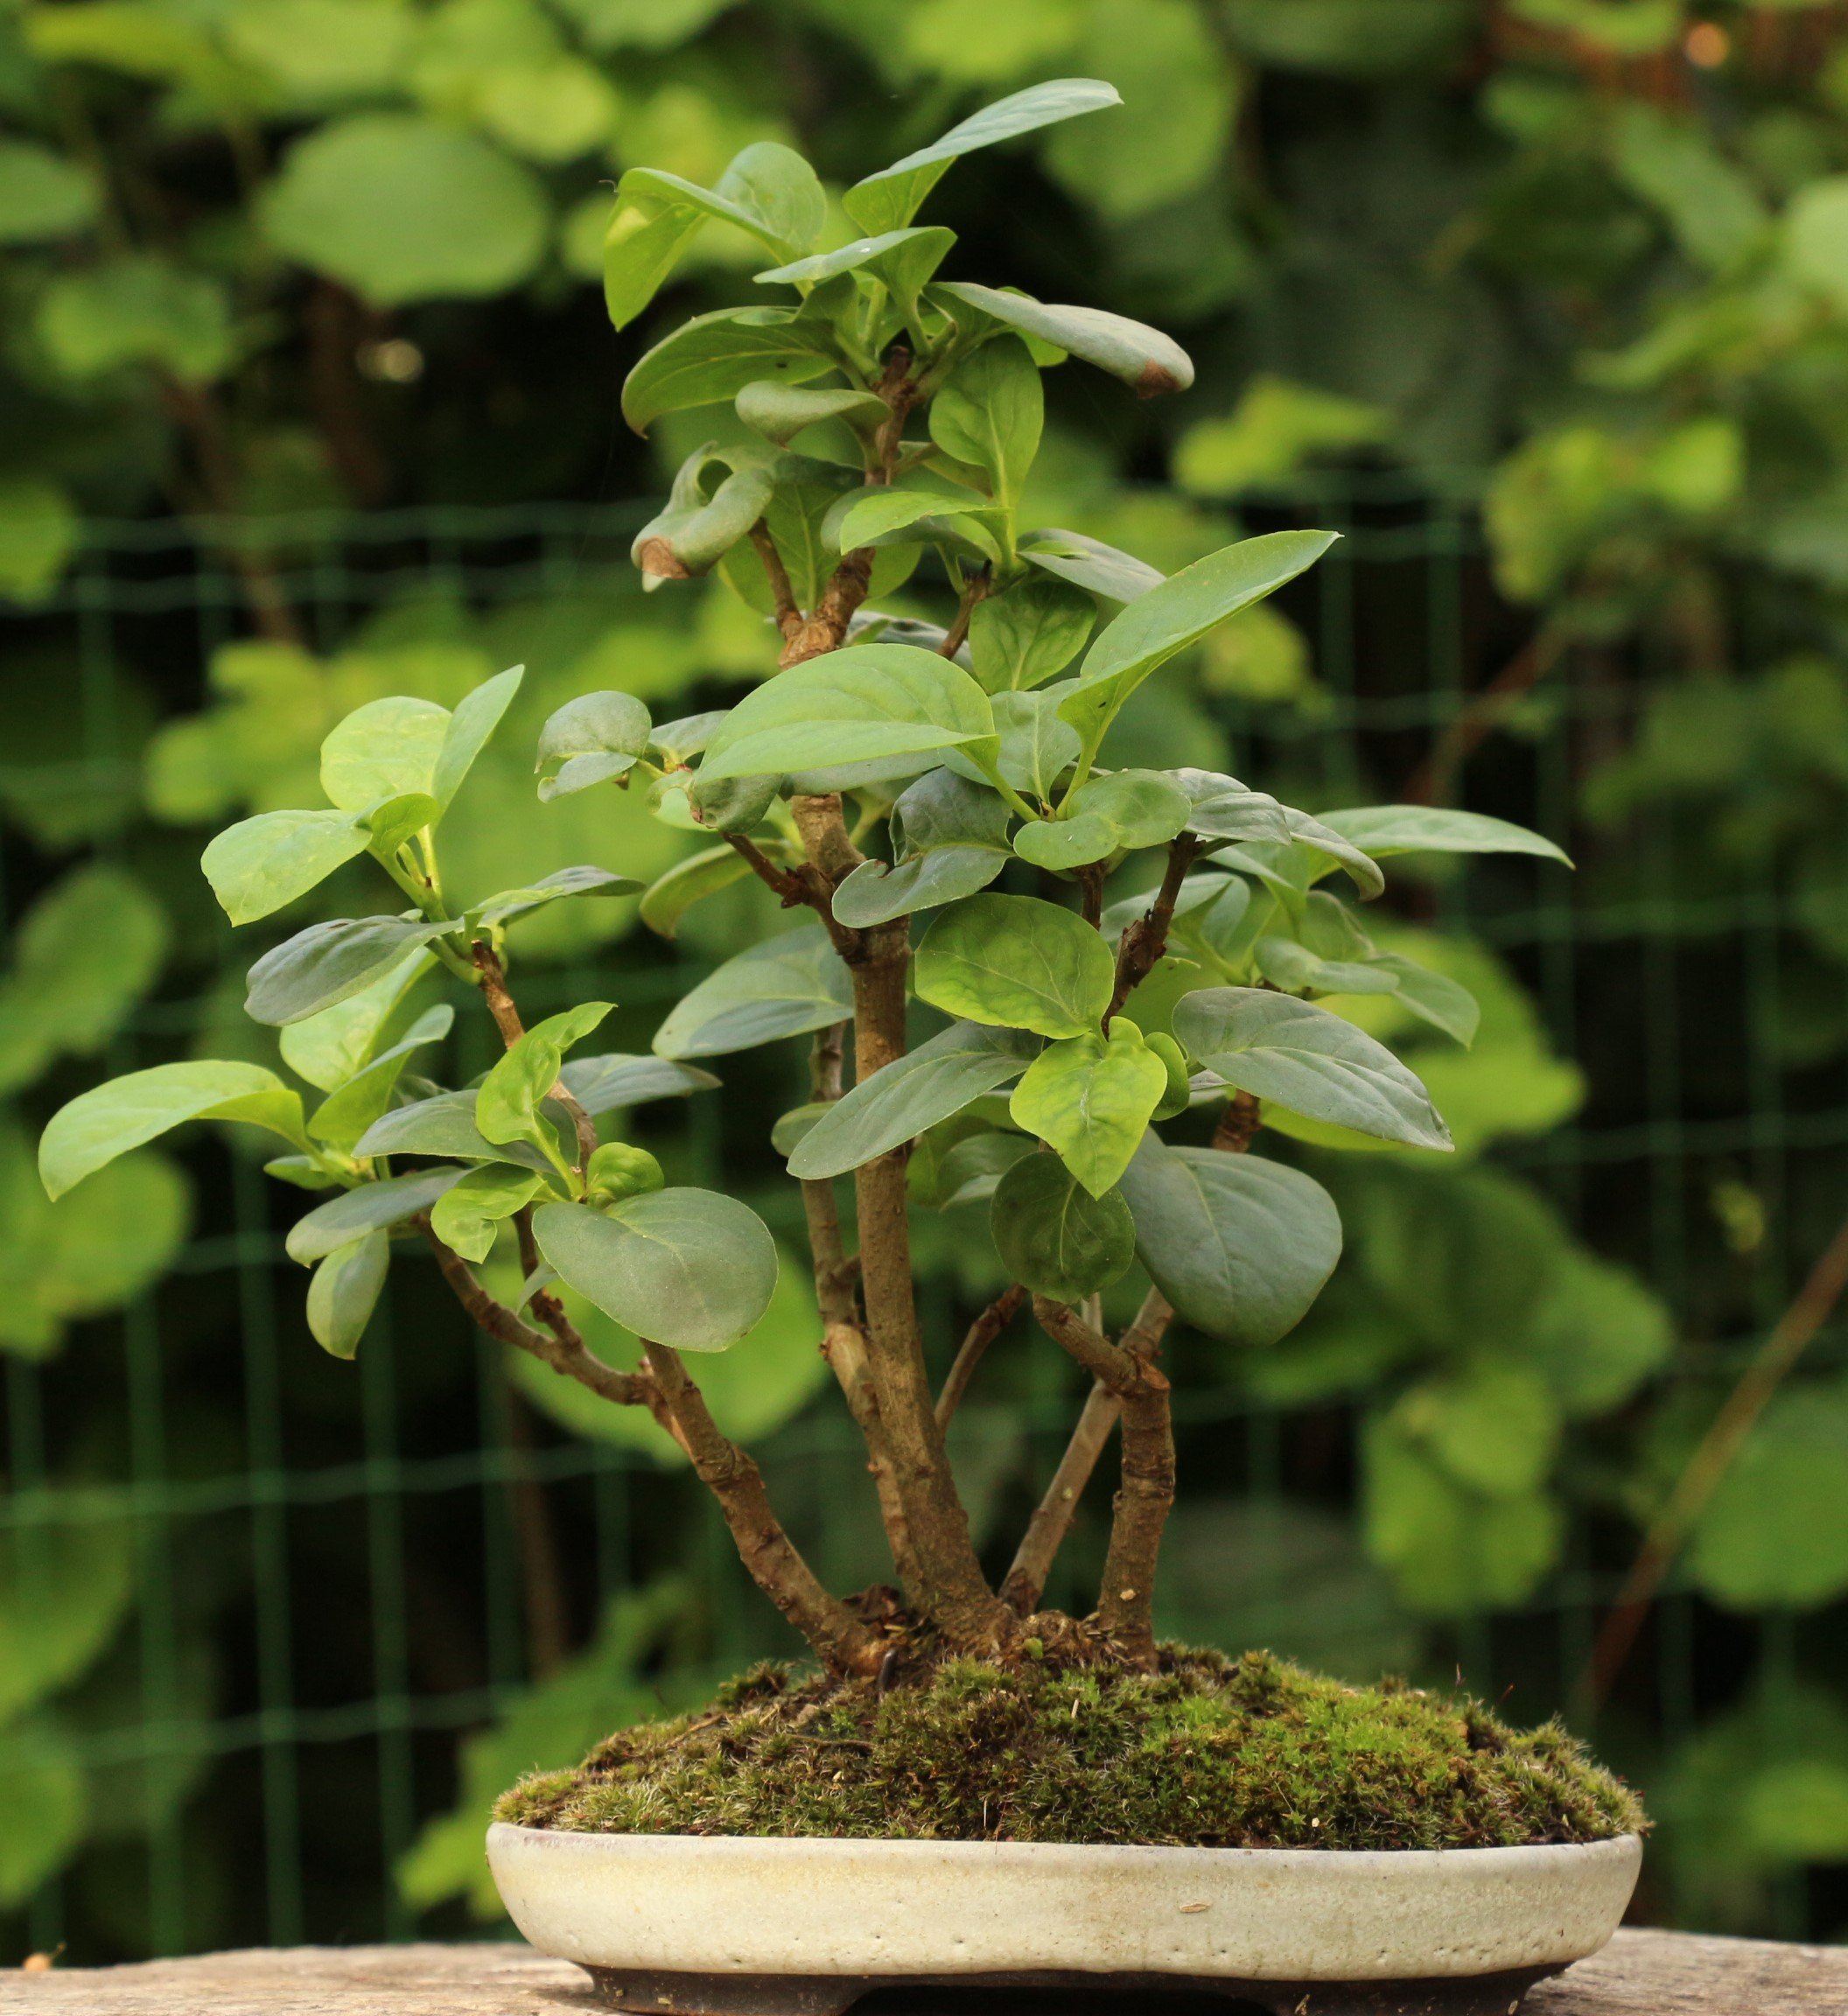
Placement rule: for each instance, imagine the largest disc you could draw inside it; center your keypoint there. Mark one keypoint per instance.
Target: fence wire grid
(307, 1546)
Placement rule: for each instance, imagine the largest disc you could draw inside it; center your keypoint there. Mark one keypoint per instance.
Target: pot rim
(833, 1905)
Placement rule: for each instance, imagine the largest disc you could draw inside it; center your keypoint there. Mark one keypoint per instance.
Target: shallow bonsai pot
(744, 1926)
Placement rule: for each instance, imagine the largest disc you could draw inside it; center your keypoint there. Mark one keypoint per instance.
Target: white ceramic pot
(743, 1926)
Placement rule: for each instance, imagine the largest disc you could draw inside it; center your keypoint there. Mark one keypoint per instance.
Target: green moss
(1210, 1751)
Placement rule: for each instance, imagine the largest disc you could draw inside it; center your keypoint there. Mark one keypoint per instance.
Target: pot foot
(1053, 1994)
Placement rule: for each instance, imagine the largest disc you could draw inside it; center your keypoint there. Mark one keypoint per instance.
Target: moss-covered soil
(1208, 1752)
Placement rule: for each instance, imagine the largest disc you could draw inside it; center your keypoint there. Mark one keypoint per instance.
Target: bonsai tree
(939, 806)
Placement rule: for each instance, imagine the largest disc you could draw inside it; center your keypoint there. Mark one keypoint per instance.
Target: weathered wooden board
(1640, 1974)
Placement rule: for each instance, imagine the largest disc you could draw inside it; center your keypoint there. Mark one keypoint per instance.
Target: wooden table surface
(1639, 1974)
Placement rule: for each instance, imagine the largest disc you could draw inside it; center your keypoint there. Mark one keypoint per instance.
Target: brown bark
(1024, 1582)
(1126, 1608)
(844, 1332)
(779, 1570)
(981, 1333)
(1147, 938)
(558, 1346)
(949, 1584)
(789, 611)
(975, 589)
(1052, 1517)
(956, 1594)
(825, 627)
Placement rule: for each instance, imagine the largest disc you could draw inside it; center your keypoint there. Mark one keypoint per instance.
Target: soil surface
(1207, 1750)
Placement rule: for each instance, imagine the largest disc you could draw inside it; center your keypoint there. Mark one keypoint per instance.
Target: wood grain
(1639, 1974)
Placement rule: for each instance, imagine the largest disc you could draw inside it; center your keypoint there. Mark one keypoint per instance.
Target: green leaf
(1772, 1535)
(779, 988)
(590, 739)
(618, 1170)
(87, 952)
(989, 413)
(1054, 1236)
(889, 200)
(44, 1785)
(477, 715)
(469, 1214)
(370, 1207)
(1090, 564)
(870, 700)
(443, 1125)
(1493, 1428)
(907, 1096)
(344, 1290)
(561, 882)
(328, 962)
(1029, 634)
(768, 191)
(328, 1048)
(806, 490)
(1180, 1094)
(617, 1080)
(1291, 870)
(106, 1121)
(695, 532)
(1036, 748)
(65, 1589)
(781, 411)
(344, 1115)
(42, 195)
(1017, 963)
(38, 532)
(260, 865)
(775, 185)
(386, 749)
(1225, 809)
(714, 357)
(686, 1268)
(950, 836)
(902, 260)
(404, 208)
(394, 822)
(1451, 1550)
(1297, 971)
(1241, 1246)
(1180, 612)
(136, 310)
(507, 1107)
(1386, 830)
(1141, 356)
(877, 512)
(1434, 998)
(1133, 808)
(88, 1253)
(668, 898)
(1091, 1099)
(970, 1170)
(1308, 1060)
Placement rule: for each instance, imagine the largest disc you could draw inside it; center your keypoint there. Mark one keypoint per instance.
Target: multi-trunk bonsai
(1102, 951)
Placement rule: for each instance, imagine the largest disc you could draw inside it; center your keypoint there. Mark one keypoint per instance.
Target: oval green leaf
(1309, 1060)
(1054, 1236)
(1242, 1246)
(1017, 963)
(688, 1268)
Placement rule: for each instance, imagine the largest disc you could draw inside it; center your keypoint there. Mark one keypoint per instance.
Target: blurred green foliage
(1581, 263)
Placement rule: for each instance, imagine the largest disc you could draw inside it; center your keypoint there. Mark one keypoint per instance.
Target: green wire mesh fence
(332, 1573)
